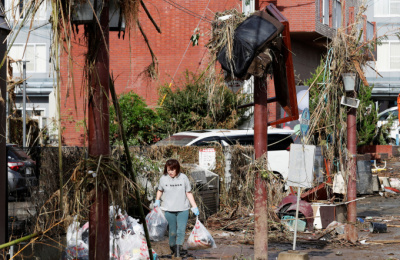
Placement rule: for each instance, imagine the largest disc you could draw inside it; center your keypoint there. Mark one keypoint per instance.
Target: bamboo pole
(131, 173)
(58, 95)
(19, 240)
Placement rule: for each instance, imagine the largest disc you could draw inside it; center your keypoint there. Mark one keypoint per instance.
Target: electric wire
(188, 11)
(184, 54)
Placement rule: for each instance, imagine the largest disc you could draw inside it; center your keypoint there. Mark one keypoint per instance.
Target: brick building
(312, 23)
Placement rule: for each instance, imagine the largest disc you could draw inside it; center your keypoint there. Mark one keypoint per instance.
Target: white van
(279, 141)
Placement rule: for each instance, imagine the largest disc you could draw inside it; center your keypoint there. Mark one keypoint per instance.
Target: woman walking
(175, 188)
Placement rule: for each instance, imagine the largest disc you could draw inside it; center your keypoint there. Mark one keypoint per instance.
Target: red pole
(352, 178)
(99, 231)
(398, 106)
(260, 147)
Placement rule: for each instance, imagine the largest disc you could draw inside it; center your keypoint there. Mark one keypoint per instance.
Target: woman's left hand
(195, 211)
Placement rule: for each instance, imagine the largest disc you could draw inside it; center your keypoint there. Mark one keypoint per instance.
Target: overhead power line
(188, 11)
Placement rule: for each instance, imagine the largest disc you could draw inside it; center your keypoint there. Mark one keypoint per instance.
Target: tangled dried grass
(223, 31)
(347, 53)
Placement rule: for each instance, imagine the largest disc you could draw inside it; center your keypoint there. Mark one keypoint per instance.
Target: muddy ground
(384, 208)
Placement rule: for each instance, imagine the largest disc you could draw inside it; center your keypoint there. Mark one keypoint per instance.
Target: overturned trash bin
(375, 227)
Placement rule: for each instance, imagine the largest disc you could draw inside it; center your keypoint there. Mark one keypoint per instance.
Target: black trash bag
(251, 36)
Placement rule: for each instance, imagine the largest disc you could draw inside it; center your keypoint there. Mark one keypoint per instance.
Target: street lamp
(83, 14)
(351, 87)
(349, 82)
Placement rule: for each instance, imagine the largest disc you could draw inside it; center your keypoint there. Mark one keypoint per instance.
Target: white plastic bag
(133, 225)
(80, 251)
(118, 219)
(73, 233)
(132, 246)
(200, 238)
(157, 224)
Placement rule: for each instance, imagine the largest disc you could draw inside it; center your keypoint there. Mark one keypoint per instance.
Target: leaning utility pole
(98, 142)
(260, 147)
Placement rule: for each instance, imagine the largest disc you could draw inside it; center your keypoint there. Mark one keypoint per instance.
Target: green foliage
(366, 117)
(383, 132)
(195, 104)
(367, 131)
(317, 77)
(200, 104)
(141, 124)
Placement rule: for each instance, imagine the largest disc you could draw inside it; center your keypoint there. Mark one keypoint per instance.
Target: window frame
(208, 141)
(387, 3)
(390, 56)
(19, 71)
(41, 15)
(40, 118)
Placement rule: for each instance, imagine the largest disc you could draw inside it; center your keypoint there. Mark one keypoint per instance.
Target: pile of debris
(127, 238)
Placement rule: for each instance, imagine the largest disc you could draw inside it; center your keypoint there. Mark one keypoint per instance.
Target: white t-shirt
(174, 192)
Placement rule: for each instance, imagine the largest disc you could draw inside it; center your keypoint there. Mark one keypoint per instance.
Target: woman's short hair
(173, 165)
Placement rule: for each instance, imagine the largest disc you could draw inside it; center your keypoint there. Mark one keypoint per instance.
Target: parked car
(20, 162)
(279, 141)
(385, 116)
(15, 181)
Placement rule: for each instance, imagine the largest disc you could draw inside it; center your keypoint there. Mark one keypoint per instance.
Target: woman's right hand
(156, 203)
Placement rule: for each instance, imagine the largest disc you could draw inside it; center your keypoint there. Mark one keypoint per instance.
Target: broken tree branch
(150, 17)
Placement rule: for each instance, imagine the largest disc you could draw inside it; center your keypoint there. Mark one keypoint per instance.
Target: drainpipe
(260, 147)
(352, 178)
(98, 142)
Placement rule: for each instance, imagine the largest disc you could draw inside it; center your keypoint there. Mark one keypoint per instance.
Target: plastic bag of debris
(131, 246)
(73, 234)
(157, 224)
(126, 238)
(80, 251)
(200, 238)
(120, 221)
(76, 247)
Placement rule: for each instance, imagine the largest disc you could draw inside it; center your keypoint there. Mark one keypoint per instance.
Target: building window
(325, 12)
(35, 114)
(17, 9)
(248, 7)
(388, 56)
(35, 54)
(386, 8)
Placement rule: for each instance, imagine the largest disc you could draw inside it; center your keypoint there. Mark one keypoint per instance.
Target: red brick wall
(300, 13)
(130, 57)
(72, 102)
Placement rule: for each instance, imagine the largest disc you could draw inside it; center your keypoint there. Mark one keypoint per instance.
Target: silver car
(15, 181)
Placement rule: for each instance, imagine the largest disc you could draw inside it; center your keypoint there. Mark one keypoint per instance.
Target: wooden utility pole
(98, 143)
(260, 147)
(4, 30)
